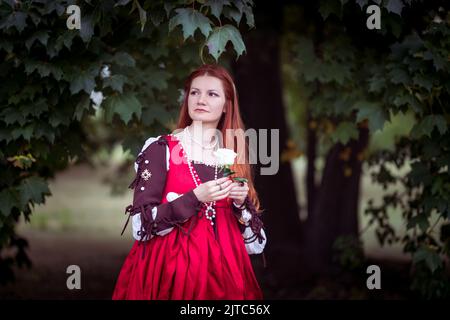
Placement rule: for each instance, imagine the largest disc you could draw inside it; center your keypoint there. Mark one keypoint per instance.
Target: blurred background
(362, 111)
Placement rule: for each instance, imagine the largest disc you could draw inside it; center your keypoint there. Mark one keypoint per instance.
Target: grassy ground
(81, 223)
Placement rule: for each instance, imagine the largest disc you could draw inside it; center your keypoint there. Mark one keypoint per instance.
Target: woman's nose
(202, 99)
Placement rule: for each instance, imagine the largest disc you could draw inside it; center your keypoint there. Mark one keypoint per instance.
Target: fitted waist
(219, 204)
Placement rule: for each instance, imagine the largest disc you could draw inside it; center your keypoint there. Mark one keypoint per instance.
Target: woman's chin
(202, 119)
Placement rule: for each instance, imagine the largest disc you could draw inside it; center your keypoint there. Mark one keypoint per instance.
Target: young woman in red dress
(194, 228)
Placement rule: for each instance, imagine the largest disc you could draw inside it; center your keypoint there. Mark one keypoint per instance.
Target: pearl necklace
(210, 211)
(186, 131)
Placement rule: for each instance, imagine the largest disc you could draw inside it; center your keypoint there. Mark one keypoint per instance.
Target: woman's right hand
(214, 190)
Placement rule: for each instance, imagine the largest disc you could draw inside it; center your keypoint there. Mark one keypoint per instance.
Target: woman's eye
(213, 94)
(193, 92)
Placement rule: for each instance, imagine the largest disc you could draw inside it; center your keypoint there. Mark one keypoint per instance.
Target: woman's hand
(239, 192)
(214, 190)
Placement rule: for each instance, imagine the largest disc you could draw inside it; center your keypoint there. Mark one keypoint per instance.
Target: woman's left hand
(239, 192)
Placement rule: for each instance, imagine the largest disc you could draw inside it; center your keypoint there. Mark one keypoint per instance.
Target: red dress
(200, 265)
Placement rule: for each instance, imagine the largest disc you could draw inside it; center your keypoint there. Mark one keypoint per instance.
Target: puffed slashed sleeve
(150, 217)
(252, 227)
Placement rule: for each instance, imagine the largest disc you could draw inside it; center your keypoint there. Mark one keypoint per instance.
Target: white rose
(225, 156)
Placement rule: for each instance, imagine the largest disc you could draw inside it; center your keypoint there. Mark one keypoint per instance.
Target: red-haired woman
(194, 228)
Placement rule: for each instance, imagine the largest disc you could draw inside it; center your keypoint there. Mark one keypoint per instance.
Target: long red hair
(230, 121)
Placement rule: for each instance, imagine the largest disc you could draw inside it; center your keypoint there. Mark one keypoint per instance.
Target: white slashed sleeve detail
(136, 219)
(253, 247)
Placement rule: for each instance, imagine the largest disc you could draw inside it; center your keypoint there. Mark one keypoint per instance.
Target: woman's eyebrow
(193, 88)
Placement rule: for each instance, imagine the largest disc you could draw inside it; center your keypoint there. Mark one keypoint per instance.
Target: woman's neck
(199, 142)
(202, 132)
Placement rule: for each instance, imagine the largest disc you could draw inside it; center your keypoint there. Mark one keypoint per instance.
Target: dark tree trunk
(311, 157)
(336, 208)
(258, 80)
(332, 206)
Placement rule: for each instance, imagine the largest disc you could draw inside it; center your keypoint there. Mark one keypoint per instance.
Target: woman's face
(206, 99)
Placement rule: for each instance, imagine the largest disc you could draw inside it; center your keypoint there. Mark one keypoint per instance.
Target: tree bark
(258, 80)
(336, 210)
(311, 187)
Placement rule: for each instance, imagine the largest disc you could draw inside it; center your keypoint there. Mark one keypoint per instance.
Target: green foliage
(124, 105)
(135, 53)
(348, 251)
(355, 77)
(190, 20)
(427, 124)
(429, 256)
(219, 38)
(344, 132)
(419, 86)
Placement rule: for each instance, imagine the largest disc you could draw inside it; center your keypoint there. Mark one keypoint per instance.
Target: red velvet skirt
(206, 264)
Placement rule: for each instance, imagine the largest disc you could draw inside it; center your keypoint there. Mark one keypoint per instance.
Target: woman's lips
(200, 110)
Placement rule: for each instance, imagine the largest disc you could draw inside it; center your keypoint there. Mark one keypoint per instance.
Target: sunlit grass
(80, 202)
